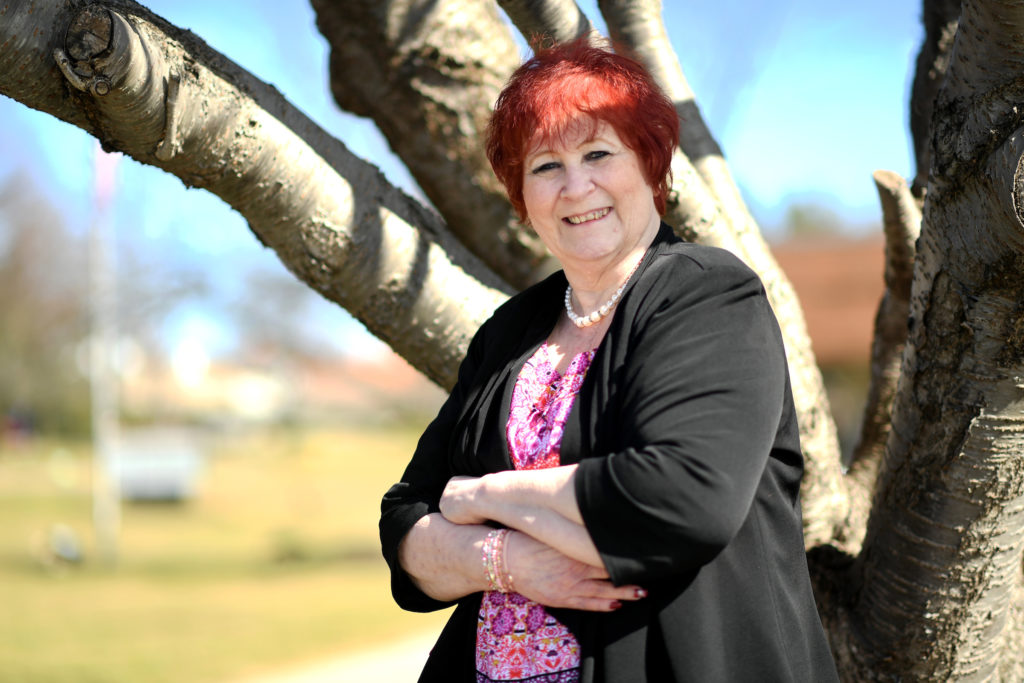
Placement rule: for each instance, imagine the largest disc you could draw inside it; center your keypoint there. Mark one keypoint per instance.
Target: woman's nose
(577, 182)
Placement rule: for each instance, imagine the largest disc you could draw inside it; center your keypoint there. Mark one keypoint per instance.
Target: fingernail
(640, 593)
(615, 604)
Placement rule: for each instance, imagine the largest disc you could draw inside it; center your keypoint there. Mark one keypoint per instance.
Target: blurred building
(839, 282)
(264, 386)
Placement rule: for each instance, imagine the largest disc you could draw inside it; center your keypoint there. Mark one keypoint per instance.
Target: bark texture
(547, 20)
(160, 95)
(940, 21)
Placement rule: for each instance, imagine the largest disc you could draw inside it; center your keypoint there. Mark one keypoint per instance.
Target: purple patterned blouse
(516, 639)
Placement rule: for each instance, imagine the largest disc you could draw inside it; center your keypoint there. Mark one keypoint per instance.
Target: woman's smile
(591, 216)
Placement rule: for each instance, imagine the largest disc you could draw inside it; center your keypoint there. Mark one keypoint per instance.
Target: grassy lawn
(275, 561)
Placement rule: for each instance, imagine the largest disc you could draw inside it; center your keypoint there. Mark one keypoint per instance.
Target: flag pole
(102, 376)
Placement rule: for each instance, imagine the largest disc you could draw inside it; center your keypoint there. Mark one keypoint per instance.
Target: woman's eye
(545, 167)
(596, 154)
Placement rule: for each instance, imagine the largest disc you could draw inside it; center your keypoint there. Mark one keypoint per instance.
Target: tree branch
(332, 218)
(990, 31)
(901, 219)
(429, 84)
(559, 20)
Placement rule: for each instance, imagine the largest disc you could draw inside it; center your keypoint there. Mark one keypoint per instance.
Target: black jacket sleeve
(702, 389)
(419, 491)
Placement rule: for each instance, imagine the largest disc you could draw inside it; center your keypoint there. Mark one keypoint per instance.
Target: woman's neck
(592, 288)
(594, 283)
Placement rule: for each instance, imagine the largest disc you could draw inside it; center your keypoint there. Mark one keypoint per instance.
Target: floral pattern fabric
(517, 640)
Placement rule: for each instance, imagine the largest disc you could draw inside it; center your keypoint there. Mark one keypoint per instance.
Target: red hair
(566, 84)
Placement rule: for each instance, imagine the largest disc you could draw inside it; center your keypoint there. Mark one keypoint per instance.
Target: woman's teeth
(583, 218)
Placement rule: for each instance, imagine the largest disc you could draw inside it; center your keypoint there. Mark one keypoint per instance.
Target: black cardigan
(688, 480)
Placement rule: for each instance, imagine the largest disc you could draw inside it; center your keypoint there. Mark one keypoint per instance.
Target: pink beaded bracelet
(493, 557)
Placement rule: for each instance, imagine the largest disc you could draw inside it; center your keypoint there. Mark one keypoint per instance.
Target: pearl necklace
(582, 321)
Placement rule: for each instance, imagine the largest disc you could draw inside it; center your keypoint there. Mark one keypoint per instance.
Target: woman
(610, 493)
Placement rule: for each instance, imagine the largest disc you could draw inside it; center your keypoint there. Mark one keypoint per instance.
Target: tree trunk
(936, 591)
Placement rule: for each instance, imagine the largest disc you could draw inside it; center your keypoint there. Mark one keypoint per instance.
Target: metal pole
(103, 378)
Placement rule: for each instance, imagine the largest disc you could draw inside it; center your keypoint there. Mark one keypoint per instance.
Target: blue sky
(806, 99)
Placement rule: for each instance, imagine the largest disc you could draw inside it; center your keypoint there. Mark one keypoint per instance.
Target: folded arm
(444, 560)
(540, 503)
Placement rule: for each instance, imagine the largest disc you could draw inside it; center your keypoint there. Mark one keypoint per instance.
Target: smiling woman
(610, 496)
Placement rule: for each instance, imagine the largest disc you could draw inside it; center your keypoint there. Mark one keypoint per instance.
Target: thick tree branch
(901, 219)
(988, 79)
(332, 218)
(557, 20)
(429, 84)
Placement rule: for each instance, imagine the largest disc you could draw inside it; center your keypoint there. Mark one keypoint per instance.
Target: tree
(45, 315)
(916, 551)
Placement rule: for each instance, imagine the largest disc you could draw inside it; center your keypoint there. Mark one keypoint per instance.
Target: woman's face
(587, 198)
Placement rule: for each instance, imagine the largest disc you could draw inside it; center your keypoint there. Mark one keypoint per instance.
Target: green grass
(275, 562)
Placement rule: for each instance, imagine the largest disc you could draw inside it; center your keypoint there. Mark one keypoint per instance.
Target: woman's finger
(594, 604)
(604, 590)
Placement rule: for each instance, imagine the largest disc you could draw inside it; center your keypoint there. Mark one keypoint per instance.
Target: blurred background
(193, 445)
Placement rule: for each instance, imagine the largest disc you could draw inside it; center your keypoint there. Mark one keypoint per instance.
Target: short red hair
(562, 84)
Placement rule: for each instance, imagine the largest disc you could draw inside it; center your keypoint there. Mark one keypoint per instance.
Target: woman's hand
(550, 578)
(461, 501)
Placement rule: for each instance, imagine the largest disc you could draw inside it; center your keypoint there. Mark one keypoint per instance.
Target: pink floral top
(516, 639)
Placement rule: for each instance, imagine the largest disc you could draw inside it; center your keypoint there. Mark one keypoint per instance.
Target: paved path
(399, 662)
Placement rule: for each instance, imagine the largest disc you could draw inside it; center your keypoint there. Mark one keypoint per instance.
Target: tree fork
(429, 88)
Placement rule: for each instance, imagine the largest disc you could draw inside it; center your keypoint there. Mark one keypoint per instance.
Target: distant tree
(44, 314)
(916, 552)
(808, 219)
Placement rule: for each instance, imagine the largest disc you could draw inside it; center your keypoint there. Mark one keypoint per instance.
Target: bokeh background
(256, 425)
